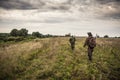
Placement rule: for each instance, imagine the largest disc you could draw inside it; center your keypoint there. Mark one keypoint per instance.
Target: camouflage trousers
(90, 51)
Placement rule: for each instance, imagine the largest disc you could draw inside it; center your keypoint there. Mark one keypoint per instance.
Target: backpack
(92, 42)
(72, 40)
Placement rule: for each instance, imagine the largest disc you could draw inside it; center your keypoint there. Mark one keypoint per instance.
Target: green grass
(53, 59)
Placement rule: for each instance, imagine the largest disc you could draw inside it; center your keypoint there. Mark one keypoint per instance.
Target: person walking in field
(91, 44)
(72, 42)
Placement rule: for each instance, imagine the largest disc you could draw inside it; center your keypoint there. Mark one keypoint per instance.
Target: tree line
(22, 34)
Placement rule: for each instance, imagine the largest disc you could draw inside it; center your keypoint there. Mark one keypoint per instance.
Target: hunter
(91, 44)
(72, 42)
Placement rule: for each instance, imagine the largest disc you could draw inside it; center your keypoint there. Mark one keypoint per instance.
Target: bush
(37, 34)
(14, 32)
(23, 32)
(106, 36)
(16, 39)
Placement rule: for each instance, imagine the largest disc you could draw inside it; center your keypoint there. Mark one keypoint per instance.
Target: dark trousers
(90, 50)
(72, 46)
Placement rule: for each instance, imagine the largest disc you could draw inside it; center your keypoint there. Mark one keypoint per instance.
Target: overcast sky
(61, 16)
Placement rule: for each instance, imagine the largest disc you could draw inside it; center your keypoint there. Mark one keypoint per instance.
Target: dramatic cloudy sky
(61, 16)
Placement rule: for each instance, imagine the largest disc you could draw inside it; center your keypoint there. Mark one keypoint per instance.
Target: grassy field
(53, 59)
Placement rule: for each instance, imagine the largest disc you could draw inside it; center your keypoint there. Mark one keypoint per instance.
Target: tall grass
(53, 59)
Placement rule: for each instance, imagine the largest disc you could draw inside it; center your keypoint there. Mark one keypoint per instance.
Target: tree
(68, 35)
(14, 32)
(97, 36)
(48, 35)
(36, 34)
(23, 32)
(106, 36)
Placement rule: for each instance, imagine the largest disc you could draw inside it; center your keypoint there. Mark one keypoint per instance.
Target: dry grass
(53, 59)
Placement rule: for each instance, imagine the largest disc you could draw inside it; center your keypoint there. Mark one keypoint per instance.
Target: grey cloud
(107, 1)
(51, 20)
(41, 4)
(59, 20)
(83, 6)
(112, 16)
(112, 11)
(15, 4)
(32, 4)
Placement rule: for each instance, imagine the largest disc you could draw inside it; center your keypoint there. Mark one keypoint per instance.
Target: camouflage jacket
(90, 42)
(72, 40)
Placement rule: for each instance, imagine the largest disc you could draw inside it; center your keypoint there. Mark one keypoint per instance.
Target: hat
(89, 33)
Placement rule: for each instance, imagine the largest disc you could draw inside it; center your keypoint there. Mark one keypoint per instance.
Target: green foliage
(23, 32)
(106, 36)
(16, 39)
(53, 59)
(14, 32)
(48, 35)
(15, 36)
(37, 34)
(4, 34)
(20, 35)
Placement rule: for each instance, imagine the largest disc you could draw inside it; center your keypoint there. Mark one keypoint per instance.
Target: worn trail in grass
(53, 59)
